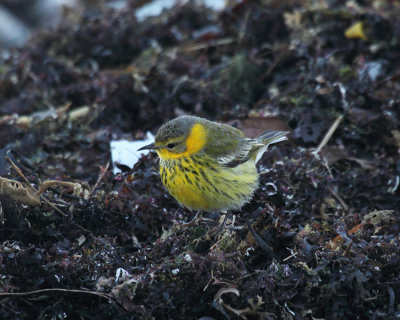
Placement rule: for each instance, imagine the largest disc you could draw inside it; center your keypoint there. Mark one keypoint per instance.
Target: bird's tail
(270, 137)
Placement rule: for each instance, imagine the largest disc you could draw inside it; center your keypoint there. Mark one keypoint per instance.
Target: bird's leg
(196, 220)
(215, 231)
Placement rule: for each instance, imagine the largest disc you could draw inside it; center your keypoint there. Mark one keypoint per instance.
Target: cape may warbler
(209, 166)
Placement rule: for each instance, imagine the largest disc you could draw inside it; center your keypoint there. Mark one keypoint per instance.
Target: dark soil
(320, 240)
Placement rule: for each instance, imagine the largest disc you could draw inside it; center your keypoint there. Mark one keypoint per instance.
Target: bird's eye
(171, 145)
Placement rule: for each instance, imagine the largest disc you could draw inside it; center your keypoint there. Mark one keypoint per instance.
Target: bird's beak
(150, 146)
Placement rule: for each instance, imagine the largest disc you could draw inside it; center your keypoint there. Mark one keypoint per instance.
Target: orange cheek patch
(194, 143)
(196, 139)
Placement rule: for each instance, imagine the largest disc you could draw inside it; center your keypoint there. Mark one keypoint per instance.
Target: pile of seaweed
(320, 240)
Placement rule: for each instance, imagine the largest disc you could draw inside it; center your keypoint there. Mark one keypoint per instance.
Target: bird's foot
(196, 220)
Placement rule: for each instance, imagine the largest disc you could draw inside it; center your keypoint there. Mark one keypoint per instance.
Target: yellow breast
(200, 184)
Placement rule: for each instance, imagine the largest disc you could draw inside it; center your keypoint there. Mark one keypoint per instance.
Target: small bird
(209, 166)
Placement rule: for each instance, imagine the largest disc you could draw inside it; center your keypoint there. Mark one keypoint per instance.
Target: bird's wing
(246, 152)
(230, 147)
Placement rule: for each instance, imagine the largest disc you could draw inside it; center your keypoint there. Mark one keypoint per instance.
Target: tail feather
(270, 137)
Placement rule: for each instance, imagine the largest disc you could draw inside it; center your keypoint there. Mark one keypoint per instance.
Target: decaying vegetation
(320, 240)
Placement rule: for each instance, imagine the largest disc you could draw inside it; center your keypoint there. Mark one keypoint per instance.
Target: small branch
(338, 120)
(329, 134)
(50, 183)
(100, 177)
(55, 290)
(20, 173)
(53, 206)
(207, 44)
(338, 198)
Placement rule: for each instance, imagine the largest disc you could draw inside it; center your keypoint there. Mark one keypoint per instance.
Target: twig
(100, 177)
(243, 27)
(207, 44)
(272, 66)
(293, 254)
(52, 290)
(329, 134)
(50, 183)
(53, 206)
(33, 196)
(261, 242)
(20, 173)
(391, 79)
(344, 205)
(338, 120)
(209, 281)
(84, 230)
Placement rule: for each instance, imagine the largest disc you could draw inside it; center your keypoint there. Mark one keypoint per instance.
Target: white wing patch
(242, 154)
(265, 147)
(251, 148)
